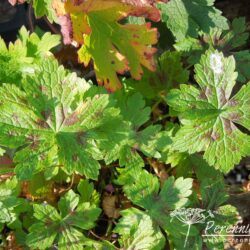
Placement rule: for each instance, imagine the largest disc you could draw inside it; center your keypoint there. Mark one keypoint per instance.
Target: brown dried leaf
(109, 204)
(160, 169)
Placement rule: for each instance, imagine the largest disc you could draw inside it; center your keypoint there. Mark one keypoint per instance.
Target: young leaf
(95, 24)
(52, 122)
(88, 193)
(13, 61)
(38, 46)
(62, 229)
(188, 17)
(209, 114)
(24, 55)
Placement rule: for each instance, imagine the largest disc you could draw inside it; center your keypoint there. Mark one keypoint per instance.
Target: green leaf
(41, 236)
(163, 141)
(242, 59)
(46, 213)
(127, 174)
(143, 191)
(213, 193)
(11, 206)
(68, 203)
(229, 42)
(238, 35)
(88, 193)
(191, 48)
(169, 73)
(13, 62)
(65, 228)
(2, 151)
(98, 245)
(20, 237)
(227, 215)
(23, 56)
(133, 108)
(135, 140)
(188, 17)
(44, 8)
(209, 114)
(190, 164)
(54, 123)
(175, 192)
(38, 46)
(137, 231)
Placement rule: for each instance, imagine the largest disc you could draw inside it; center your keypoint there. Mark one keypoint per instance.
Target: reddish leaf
(114, 47)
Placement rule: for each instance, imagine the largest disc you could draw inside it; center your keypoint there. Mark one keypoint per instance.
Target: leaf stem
(53, 29)
(30, 14)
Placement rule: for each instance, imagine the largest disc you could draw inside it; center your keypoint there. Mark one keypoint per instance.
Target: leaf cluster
(138, 162)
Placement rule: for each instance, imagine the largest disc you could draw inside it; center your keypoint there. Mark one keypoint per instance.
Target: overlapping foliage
(124, 165)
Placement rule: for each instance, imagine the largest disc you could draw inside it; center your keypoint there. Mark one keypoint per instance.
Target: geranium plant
(127, 148)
